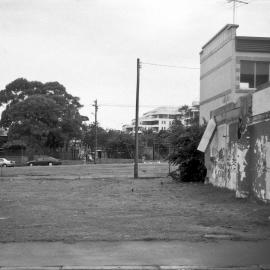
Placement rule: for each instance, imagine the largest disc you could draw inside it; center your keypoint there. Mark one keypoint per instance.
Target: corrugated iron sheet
(248, 44)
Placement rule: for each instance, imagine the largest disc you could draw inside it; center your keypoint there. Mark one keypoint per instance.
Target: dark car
(44, 161)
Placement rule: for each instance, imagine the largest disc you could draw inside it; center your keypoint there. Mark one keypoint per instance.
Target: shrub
(190, 161)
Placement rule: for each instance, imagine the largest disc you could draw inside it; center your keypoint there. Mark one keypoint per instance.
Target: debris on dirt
(100, 206)
(219, 236)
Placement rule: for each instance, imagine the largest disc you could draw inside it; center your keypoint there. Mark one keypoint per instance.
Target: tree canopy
(40, 114)
(117, 144)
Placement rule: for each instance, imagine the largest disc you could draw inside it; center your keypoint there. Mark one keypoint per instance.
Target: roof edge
(226, 27)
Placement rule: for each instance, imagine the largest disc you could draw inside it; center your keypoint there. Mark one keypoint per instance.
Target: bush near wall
(190, 161)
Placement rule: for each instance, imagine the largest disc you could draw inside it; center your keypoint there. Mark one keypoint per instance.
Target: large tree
(41, 114)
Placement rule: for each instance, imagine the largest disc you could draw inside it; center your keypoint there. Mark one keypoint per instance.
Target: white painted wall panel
(216, 82)
(261, 101)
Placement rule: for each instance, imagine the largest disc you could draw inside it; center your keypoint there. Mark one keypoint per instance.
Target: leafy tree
(116, 143)
(89, 136)
(147, 137)
(183, 108)
(41, 114)
(190, 161)
(120, 144)
(157, 140)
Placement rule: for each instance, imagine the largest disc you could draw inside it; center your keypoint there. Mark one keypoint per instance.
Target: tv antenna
(234, 6)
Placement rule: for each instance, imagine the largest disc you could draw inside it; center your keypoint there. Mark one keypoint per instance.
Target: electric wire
(132, 106)
(170, 66)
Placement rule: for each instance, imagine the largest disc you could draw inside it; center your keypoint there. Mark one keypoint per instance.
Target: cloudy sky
(91, 47)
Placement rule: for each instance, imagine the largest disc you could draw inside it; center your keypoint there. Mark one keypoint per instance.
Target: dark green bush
(190, 161)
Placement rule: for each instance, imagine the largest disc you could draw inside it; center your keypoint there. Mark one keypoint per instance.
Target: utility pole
(234, 6)
(136, 156)
(96, 109)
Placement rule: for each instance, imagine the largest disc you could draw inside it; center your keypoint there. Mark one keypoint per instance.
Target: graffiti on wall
(223, 160)
(240, 149)
(261, 185)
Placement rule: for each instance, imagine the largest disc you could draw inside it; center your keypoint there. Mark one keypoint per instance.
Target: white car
(6, 163)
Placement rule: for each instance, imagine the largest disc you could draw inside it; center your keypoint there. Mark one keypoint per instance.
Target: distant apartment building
(162, 118)
(189, 114)
(231, 66)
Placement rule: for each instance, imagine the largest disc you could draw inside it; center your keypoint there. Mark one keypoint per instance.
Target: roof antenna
(234, 6)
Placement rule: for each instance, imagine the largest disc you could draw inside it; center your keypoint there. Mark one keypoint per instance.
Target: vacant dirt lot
(104, 202)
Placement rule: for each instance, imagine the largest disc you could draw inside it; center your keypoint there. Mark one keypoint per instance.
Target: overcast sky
(91, 47)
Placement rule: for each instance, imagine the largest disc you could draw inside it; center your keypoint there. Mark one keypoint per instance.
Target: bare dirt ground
(104, 202)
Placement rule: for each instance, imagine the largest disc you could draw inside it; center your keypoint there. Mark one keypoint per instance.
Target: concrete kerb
(146, 267)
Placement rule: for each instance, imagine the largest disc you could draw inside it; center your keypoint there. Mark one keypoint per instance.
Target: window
(150, 123)
(262, 73)
(247, 74)
(253, 74)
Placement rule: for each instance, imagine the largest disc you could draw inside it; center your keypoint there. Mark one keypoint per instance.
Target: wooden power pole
(136, 156)
(96, 109)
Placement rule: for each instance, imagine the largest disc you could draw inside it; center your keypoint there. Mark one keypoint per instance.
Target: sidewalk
(149, 255)
(140, 267)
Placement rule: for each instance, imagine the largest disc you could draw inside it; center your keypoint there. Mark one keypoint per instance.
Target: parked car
(6, 163)
(44, 161)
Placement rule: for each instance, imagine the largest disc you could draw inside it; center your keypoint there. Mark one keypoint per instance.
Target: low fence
(21, 160)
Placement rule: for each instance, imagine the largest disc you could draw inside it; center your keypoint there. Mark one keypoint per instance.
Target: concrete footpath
(137, 255)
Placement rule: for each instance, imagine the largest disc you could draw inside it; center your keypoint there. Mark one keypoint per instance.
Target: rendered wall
(206, 109)
(217, 78)
(238, 157)
(216, 82)
(261, 101)
(259, 131)
(259, 160)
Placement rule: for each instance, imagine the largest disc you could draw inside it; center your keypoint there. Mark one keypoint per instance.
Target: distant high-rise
(162, 118)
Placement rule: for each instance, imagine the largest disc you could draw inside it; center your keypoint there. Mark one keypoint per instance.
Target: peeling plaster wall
(243, 188)
(259, 163)
(227, 160)
(259, 183)
(238, 157)
(223, 166)
(267, 176)
(232, 166)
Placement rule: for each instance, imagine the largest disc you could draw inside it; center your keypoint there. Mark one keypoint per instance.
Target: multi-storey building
(231, 66)
(162, 118)
(235, 98)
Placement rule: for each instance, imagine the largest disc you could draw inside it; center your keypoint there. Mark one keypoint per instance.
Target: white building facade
(231, 66)
(162, 118)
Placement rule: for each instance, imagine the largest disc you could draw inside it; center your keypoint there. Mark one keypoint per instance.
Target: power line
(116, 105)
(170, 66)
(132, 106)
